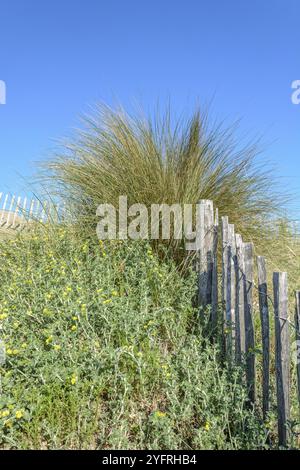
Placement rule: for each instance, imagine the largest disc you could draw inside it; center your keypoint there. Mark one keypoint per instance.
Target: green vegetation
(164, 160)
(104, 350)
(161, 160)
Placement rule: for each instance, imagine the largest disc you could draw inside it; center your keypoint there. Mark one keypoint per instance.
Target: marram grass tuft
(161, 160)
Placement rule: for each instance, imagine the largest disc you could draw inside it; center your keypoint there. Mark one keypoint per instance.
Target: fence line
(238, 323)
(16, 211)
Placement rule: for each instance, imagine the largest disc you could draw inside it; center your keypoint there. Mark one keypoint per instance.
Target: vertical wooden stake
(206, 227)
(240, 342)
(249, 326)
(214, 292)
(280, 287)
(226, 292)
(225, 224)
(231, 293)
(265, 331)
(297, 324)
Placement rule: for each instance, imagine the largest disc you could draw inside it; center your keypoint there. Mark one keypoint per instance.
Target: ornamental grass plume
(163, 160)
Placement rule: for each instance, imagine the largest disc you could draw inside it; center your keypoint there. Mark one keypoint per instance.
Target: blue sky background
(59, 57)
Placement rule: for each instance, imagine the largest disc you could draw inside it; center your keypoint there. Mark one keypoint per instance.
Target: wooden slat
(214, 291)
(16, 211)
(297, 325)
(31, 209)
(265, 331)
(206, 228)
(44, 210)
(280, 287)
(231, 289)
(10, 211)
(240, 341)
(2, 221)
(225, 268)
(249, 325)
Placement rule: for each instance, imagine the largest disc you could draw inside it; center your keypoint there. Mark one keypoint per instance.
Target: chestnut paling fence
(238, 332)
(17, 211)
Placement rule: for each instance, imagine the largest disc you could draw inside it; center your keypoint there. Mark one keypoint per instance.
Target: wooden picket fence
(238, 332)
(17, 211)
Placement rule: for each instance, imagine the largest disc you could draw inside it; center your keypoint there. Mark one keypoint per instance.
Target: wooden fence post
(265, 331)
(280, 287)
(206, 228)
(240, 344)
(297, 325)
(249, 327)
(226, 286)
(214, 292)
(231, 288)
(224, 222)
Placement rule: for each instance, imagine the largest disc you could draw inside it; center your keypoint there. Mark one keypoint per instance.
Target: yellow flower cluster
(12, 352)
(73, 379)
(206, 426)
(49, 340)
(6, 412)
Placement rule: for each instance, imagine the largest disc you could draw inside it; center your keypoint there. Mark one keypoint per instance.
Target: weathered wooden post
(297, 325)
(228, 285)
(226, 293)
(214, 292)
(240, 341)
(224, 222)
(231, 295)
(282, 351)
(206, 238)
(265, 331)
(249, 326)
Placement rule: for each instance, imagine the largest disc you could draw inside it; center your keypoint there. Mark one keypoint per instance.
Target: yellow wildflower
(73, 379)
(49, 339)
(160, 414)
(56, 347)
(19, 414)
(206, 426)
(3, 316)
(73, 327)
(5, 413)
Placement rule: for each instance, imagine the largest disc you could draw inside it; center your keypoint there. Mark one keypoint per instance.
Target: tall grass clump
(164, 160)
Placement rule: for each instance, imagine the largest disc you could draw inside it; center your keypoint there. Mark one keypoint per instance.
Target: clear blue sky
(58, 57)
